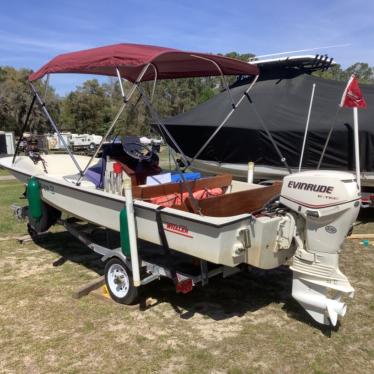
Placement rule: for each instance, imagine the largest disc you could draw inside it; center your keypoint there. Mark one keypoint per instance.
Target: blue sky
(33, 32)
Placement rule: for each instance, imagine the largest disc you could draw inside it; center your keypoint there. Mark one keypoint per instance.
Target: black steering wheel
(138, 151)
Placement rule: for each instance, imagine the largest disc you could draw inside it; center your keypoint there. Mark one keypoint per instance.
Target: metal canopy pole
(357, 147)
(120, 82)
(282, 158)
(44, 109)
(227, 88)
(157, 118)
(46, 88)
(125, 102)
(307, 126)
(235, 106)
(162, 127)
(154, 82)
(327, 139)
(24, 127)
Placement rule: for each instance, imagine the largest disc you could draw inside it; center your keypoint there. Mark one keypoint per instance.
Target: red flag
(352, 95)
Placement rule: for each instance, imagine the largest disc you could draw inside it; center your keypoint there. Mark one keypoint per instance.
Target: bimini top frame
(139, 63)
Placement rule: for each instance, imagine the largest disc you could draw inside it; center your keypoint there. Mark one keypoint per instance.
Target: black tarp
(283, 105)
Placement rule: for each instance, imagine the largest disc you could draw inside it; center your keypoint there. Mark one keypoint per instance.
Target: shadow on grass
(71, 249)
(221, 299)
(295, 311)
(366, 215)
(235, 296)
(226, 297)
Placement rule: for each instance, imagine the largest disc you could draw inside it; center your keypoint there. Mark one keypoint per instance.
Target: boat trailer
(155, 262)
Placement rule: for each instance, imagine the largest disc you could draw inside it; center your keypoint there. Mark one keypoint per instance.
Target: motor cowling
(325, 205)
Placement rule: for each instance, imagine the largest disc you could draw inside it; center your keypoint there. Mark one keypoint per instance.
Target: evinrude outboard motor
(326, 204)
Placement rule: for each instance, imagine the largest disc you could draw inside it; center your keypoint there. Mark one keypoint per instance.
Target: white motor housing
(327, 203)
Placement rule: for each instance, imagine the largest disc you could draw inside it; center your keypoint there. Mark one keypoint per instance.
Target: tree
(364, 71)
(238, 56)
(335, 72)
(87, 109)
(2, 75)
(7, 122)
(15, 99)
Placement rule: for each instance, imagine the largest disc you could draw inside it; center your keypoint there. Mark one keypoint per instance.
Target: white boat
(210, 238)
(261, 172)
(214, 220)
(280, 102)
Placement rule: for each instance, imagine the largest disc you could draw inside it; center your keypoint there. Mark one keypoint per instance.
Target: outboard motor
(326, 204)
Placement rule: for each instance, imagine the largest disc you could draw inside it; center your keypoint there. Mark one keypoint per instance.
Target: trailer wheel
(118, 279)
(31, 231)
(50, 216)
(92, 146)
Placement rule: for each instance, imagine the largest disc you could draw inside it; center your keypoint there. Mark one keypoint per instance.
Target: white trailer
(55, 142)
(84, 141)
(7, 143)
(75, 141)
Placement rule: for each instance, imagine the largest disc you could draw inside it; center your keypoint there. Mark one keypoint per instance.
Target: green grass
(3, 172)
(10, 192)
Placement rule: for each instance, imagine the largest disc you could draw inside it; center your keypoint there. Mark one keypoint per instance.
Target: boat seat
(147, 192)
(138, 171)
(94, 173)
(232, 204)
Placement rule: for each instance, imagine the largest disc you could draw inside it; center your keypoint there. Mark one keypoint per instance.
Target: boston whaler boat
(216, 222)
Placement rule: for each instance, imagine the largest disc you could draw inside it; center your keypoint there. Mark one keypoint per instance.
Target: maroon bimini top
(130, 59)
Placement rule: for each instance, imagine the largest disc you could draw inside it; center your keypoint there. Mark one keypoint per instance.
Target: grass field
(244, 324)
(3, 172)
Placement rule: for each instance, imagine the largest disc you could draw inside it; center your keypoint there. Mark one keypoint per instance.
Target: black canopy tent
(282, 105)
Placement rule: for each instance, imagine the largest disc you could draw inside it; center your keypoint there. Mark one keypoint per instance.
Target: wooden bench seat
(232, 204)
(148, 192)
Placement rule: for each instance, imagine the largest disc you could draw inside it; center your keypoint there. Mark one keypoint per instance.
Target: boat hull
(214, 239)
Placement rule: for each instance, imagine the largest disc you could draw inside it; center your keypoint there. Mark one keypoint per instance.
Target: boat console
(136, 159)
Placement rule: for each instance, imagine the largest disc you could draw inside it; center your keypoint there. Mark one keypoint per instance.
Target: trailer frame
(156, 263)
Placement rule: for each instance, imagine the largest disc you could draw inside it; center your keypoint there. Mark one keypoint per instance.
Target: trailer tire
(92, 146)
(119, 282)
(49, 217)
(31, 231)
